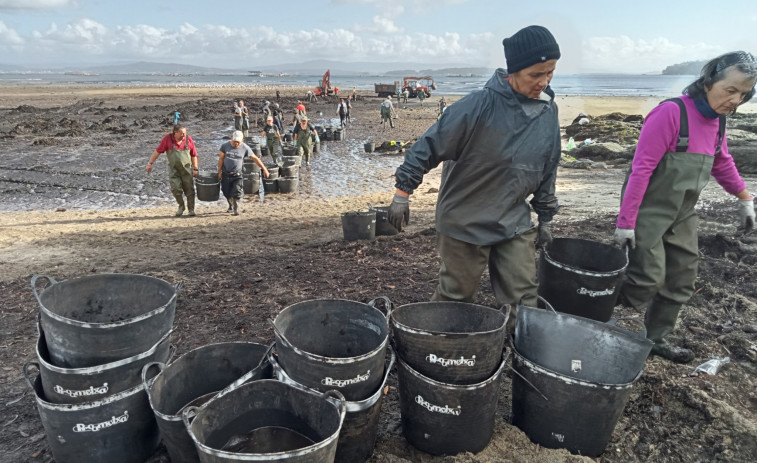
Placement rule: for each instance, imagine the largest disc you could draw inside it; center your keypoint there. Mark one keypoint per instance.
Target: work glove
(399, 211)
(544, 234)
(746, 214)
(626, 237)
(295, 143)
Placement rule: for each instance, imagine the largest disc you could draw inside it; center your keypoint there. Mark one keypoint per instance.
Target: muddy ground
(76, 201)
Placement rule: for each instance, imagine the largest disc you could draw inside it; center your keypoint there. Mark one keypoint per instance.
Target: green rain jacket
(498, 148)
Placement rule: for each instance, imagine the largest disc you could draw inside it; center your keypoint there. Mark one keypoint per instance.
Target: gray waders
(305, 144)
(180, 177)
(662, 268)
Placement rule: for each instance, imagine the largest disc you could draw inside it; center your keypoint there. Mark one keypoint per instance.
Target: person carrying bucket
(231, 167)
(272, 138)
(682, 143)
(499, 145)
(304, 134)
(182, 166)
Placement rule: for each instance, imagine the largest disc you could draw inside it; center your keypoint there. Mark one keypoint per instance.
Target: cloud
(623, 54)
(9, 37)
(36, 4)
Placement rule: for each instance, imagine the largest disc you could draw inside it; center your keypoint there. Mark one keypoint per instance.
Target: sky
(640, 36)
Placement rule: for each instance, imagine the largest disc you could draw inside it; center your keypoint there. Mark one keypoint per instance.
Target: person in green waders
(182, 166)
(304, 133)
(681, 144)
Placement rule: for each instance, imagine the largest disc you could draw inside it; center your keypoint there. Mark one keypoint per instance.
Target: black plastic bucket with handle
(359, 225)
(207, 185)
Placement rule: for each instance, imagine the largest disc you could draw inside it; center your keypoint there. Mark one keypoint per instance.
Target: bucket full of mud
(88, 384)
(249, 166)
(328, 344)
(579, 347)
(557, 411)
(207, 185)
(582, 277)
(270, 185)
(359, 225)
(251, 183)
(267, 420)
(289, 170)
(104, 318)
(193, 379)
(451, 342)
(447, 419)
(293, 160)
(360, 429)
(383, 227)
(289, 151)
(369, 147)
(288, 184)
(119, 428)
(273, 171)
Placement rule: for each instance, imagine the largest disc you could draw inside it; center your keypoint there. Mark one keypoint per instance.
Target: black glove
(399, 211)
(544, 234)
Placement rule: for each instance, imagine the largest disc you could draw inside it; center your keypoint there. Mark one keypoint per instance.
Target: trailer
(384, 90)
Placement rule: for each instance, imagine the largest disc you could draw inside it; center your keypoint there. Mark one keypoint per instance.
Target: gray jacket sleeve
(544, 201)
(443, 141)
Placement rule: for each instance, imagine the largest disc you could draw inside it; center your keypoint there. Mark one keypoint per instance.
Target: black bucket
(104, 318)
(290, 171)
(270, 185)
(328, 134)
(360, 429)
(333, 344)
(289, 151)
(251, 184)
(383, 227)
(579, 347)
(557, 411)
(338, 135)
(207, 185)
(273, 171)
(358, 225)
(117, 429)
(369, 147)
(292, 160)
(267, 420)
(446, 419)
(582, 277)
(88, 384)
(194, 378)
(288, 184)
(450, 342)
(249, 167)
(263, 150)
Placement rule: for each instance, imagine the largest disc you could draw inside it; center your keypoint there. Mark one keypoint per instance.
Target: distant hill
(684, 69)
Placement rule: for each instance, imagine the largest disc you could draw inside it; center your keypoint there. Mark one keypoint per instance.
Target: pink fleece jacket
(659, 136)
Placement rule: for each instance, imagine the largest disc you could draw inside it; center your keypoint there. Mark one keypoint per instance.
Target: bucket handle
(614, 322)
(264, 361)
(332, 395)
(187, 416)
(145, 370)
(27, 373)
(549, 306)
(388, 305)
(279, 334)
(178, 287)
(35, 277)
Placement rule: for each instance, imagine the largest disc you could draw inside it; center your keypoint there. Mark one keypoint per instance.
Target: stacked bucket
(96, 333)
(451, 357)
(329, 345)
(207, 185)
(250, 177)
(574, 372)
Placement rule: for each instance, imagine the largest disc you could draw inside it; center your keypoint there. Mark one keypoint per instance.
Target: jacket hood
(498, 83)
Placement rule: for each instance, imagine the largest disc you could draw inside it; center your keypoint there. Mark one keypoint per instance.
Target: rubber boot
(191, 205)
(235, 206)
(660, 320)
(180, 200)
(231, 208)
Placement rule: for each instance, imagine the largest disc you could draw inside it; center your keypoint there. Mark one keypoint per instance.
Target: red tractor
(414, 85)
(324, 86)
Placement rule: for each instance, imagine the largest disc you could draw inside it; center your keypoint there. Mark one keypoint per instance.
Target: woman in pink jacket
(682, 143)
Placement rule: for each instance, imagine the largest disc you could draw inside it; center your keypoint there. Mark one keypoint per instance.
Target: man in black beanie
(499, 146)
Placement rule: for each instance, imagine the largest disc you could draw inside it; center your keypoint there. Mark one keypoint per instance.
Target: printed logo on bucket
(83, 393)
(462, 361)
(592, 293)
(436, 408)
(346, 382)
(105, 424)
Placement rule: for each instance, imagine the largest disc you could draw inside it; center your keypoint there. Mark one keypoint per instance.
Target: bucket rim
(352, 406)
(359, 213)
(263, 456)
(636, 337)
(96, 369)
(324, 359)
(78, 406)
(458, 387)
(109, 325)
(536, 368)
(151, 381)
(581, 271)
(448, 334)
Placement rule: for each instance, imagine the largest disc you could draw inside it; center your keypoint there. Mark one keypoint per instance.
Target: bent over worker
(499, 145)
(682, 143)
(182, 166)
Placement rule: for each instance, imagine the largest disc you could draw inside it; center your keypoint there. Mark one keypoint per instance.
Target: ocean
(562, 84)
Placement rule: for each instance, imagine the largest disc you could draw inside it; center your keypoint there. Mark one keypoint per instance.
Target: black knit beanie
(528, 46)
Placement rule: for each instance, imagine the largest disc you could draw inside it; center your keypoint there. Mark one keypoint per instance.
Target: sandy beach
(76, 201)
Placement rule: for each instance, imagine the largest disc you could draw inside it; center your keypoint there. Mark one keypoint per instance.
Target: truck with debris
(414, 85)
(384, 90)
